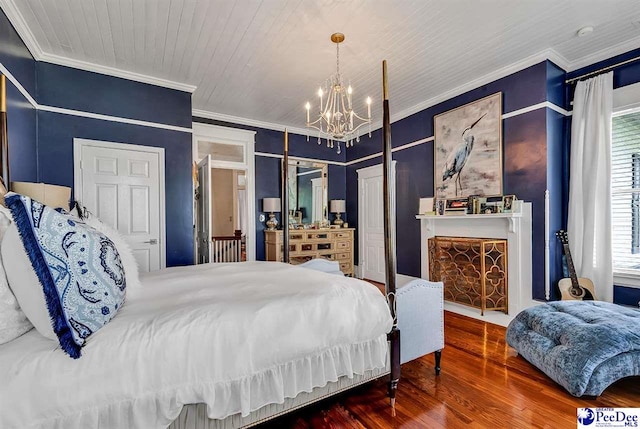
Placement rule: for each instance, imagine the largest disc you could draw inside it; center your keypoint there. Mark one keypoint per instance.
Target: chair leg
(438, 357)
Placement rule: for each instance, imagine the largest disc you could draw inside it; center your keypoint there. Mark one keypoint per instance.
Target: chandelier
(337, 121)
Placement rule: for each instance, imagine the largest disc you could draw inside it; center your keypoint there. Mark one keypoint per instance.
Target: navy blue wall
(269, 169)
(91, 92)
(524, 169)
(74, 89)
(41, 142)
(55, 154)
(622, 76)
(21, 115)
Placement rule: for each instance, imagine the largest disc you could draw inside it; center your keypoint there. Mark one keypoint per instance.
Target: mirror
(307, 191)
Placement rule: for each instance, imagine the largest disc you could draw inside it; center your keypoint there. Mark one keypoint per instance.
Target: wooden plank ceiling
(263, 59)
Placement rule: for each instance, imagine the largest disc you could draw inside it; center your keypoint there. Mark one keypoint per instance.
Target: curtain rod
(604, 69)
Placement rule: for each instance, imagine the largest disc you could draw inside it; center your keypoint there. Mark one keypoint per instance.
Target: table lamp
(272, 206)
(338, 207)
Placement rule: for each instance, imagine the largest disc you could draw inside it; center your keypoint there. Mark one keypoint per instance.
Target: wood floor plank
(483, 384)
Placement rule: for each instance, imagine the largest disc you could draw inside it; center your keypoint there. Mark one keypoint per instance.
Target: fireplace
(473, 271)
(514, 228)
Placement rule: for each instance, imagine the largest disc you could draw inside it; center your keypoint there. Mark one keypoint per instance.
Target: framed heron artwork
(468, 149)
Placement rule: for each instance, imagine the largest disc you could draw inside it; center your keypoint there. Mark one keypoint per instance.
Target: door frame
(368, 173)
(79, 143)
(238, 137)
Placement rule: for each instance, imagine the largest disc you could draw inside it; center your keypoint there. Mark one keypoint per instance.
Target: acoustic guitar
(574, 287)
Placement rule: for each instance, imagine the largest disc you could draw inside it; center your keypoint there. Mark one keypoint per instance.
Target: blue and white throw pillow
(78, 267)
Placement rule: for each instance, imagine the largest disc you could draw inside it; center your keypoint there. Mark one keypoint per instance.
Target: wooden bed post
(4, 139)
(390, 239)
(285, 199)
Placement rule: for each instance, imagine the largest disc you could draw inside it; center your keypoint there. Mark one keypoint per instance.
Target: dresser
(304, 245)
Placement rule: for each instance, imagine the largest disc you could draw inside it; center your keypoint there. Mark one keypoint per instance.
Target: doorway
(371, 254)
(123, 185)
(225, 194)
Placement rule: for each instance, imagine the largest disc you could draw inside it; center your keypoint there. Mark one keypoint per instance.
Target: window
(625, 189)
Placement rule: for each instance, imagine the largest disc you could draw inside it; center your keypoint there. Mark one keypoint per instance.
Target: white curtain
(589, 222)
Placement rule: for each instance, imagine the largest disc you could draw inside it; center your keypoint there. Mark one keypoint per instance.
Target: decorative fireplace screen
(473, 270)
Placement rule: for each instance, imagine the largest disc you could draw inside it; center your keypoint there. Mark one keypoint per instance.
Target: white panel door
(372, 229)
(371, 221)
(203, 225)
(122, 188)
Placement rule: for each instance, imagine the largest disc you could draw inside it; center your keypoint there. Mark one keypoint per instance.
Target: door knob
(152, 241)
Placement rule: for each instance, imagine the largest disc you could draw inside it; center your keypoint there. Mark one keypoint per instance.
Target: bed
(216, 334)
(216, 345)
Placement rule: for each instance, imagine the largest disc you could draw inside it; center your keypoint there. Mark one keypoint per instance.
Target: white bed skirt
(194, 416)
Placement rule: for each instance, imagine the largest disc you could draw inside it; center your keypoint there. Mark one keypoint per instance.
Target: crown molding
(17, 20)
(548, 54)
(198, 113)
(116, 72)
(605, 54)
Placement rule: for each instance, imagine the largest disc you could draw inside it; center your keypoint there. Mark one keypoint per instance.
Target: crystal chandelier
(337, 121)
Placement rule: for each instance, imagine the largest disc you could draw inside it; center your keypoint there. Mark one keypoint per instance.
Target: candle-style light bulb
(369, 107)
(320, 93)
(349, 90)
(308, 107)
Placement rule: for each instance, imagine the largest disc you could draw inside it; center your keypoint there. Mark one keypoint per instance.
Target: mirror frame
(324, 167)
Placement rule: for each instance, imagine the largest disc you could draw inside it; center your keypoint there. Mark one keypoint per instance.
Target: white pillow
(124, 250)
(13, 321)
(19, 271)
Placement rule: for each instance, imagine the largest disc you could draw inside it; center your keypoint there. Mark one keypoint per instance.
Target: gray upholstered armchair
(420, 309)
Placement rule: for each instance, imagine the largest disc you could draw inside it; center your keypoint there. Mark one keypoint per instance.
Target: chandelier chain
(338, 60)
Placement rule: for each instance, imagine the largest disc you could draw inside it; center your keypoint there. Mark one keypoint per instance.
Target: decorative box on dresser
(307, 244)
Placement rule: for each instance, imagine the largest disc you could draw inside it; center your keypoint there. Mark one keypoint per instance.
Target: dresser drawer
(346, 267)
(342, 234)
(343, 245)
(318, 236)
(292, 248)
(343, 256)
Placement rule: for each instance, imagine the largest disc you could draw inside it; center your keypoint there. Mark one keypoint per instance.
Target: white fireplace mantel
(515, 227)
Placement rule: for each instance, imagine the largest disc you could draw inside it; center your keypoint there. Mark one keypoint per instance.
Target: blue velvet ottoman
(582, 345)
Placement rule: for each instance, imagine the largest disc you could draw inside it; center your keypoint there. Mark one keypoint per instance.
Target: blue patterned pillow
(78, 267)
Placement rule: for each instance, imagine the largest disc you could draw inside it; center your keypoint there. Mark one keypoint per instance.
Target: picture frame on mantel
(468, 149)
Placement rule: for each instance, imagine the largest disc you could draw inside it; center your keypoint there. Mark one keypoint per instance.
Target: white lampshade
(271, 205)
(338, 206)
(50, 195)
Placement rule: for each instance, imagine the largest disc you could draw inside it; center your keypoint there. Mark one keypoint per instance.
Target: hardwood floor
(483, 384)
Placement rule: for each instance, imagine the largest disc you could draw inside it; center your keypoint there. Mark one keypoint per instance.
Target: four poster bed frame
(389, 234)
(195, 415)
(4, 140)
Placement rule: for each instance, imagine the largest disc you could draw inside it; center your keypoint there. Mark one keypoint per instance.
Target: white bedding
(233, 336)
